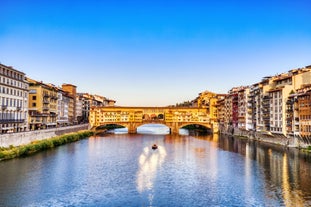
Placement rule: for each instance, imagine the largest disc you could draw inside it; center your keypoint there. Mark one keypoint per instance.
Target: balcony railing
(45, 108)
(11, 121)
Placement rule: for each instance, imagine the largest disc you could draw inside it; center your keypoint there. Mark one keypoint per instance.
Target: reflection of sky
(120, 131)
(151, 129)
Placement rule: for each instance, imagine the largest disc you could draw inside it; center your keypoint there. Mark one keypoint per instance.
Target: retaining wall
(284, 141)
(17, 139)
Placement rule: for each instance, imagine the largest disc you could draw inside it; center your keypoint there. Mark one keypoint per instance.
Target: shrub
(36, 146)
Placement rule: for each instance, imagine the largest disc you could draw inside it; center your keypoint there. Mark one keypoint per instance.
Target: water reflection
(123, 170)
(287, 171)
(149, 162)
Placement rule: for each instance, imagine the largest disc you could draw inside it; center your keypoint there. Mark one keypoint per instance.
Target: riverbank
(23, 138)
(40, 145)
(277, 139)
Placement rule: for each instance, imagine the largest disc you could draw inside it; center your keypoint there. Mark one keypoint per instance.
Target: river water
(123, 170)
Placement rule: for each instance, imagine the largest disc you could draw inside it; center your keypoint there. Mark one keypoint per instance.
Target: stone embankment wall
(17, 139)
(274, 139)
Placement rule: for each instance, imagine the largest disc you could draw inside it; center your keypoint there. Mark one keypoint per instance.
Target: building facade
(72, 94)
(42, 105)
(62, 108)
(13, 100)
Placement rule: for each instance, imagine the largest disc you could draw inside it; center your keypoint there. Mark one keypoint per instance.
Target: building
(304, 118)
(42, 105)
(232, 108)
(243, 116)
(258, 106)
(220, 110)
(207, 100)
(85, 99)
(79, 109)
(299, 113)
(84, 103)
(13, 100)
(62, 108)
(72, 93)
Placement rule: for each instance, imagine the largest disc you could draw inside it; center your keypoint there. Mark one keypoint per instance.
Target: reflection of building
(42, 105)
(13, 100)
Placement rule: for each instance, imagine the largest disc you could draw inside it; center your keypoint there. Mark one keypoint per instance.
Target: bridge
(133, 117)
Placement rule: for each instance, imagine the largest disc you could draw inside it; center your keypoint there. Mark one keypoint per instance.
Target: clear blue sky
(144, 53)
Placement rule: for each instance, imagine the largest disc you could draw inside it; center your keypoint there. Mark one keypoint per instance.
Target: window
(34, 98)
(34, 105)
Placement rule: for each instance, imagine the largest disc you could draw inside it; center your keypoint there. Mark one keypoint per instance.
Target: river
(123, 170)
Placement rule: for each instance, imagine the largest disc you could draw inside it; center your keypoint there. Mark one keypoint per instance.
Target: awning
(7, 128)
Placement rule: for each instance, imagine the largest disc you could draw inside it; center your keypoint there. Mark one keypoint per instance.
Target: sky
(154, 53)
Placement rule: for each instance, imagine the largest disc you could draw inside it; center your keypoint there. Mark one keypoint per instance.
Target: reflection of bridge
(133, 117)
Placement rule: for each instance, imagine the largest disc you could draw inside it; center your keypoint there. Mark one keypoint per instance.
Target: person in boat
(154, 146)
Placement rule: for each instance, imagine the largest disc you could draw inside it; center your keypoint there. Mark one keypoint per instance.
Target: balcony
(45, 108)
(11, 121)
(3, 107)
(18, 108)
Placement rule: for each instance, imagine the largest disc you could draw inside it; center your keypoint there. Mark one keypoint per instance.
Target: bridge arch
(208, 126)
(125, 125)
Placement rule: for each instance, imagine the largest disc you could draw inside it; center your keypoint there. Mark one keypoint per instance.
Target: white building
(62, 108)
(13, 100)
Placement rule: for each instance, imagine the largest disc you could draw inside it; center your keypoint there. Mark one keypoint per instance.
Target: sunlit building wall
(79, 105)
(207, 100)
(42, 105)
(13, 100)
(62, 108)
(243, 116)
(72, 92)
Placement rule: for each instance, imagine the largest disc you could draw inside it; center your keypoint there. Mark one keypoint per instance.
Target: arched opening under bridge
(197, 129)
(153, 129)
(112, 128)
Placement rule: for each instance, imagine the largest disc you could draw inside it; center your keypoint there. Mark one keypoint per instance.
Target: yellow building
(42, 105)
(207, 100)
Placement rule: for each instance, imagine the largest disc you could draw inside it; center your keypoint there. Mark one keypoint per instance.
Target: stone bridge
(133, 117)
